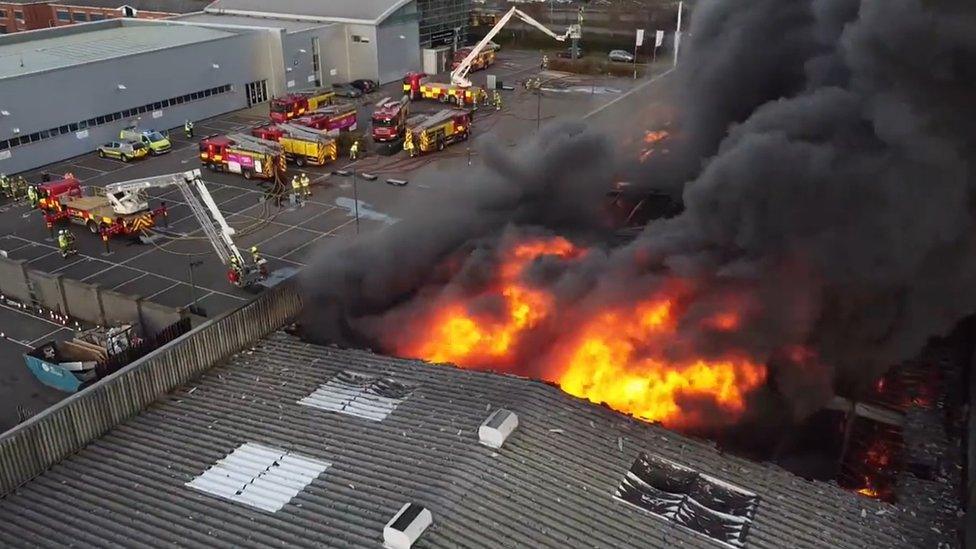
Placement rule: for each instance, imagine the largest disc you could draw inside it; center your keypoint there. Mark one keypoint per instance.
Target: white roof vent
(406, 526)
(497, 427)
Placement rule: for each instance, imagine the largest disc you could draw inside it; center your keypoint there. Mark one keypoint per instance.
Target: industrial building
(21, 15)
(242, 435)
(158, 74)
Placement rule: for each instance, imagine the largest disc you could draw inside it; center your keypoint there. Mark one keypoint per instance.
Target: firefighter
(66, 243)
(545, 62)
(188, 129)
(32, 195)
(354, 150)
(296, 189)
(5, 187)
(408, 144)
(255, 256)
(498, 101)
(483, 96)
(306, 184)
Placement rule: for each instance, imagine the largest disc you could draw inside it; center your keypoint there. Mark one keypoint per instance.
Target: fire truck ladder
(302, 132)
(271, 148)
(435, 119)
(459, 76)
(214, 225)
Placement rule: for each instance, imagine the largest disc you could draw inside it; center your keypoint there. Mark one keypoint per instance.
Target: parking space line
(42, 319)
(168, 288)
(55, 271)
(124, 282)
(139, 270)
(323, 235)
(34, 342)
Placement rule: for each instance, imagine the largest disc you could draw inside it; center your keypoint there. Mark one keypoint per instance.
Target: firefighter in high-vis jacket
(66, 243)
(188, 129)
(32, 195)
(296, 189)
(5, 187)
(498, 101)
(354, 150)
(306, 185)
(408, 144)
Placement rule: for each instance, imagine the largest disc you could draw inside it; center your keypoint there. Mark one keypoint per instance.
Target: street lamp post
(355, 197)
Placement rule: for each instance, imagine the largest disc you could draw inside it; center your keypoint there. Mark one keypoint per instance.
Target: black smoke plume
(822, 150)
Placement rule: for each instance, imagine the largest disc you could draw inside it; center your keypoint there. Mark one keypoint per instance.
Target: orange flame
(616, 356)
(652, 138)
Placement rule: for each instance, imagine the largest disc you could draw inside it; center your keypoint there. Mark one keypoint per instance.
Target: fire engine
(301, 144)
(484, 59)
(241, 270)
(416, 85)
(389, 119)
(295, 104)
(332, 118)
(434, 132)
(243, 154)
(103, 212)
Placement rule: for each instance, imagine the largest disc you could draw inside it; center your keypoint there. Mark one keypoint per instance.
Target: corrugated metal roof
(346, 11)
(56, 48)
(551, 485)
(160, 6)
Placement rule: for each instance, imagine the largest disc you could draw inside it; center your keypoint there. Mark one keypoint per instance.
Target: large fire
(618, 355)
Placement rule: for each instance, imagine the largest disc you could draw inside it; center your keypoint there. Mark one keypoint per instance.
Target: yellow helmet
(254, 249)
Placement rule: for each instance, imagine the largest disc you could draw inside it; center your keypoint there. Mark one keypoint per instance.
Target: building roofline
(315, 18)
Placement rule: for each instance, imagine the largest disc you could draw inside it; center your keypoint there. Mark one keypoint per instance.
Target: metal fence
(54, 434)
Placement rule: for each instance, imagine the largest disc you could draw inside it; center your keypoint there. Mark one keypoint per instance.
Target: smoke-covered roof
(349, 437)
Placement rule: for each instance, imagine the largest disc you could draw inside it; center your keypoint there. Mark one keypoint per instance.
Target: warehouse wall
(361, 57)
(398, 44)
(51, 99)
(299, 67)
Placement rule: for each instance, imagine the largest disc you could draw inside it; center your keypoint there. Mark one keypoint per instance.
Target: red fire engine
(334, 117)
(124, 213)
(242, 154)
(295, 104)
(484, 59)
(389, 119)
(417, 86)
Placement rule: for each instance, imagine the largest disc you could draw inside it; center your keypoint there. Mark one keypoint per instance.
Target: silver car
(620, 56)
(122, 150)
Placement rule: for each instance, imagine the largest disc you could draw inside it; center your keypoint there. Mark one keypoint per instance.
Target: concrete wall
(47, 290)
(46, 100)
(120, 308)
(398, 44)
(13, 280)
(83, 301)
(156, 317)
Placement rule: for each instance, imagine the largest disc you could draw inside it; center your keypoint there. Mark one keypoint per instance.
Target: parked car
(621, 56)
(346, 90)
(123, 150)
(364, 85)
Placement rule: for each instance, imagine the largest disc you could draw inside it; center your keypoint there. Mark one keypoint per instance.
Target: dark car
(346, 90)
(364, 85)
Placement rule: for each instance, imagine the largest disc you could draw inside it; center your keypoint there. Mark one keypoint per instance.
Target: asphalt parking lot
(285, 235)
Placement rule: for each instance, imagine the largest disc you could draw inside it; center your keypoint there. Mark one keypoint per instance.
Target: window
(73, 127)
(19, 15)
(63, 129)
(79, 16)
(358, 38)
(3, 13)
(96, 16)
(695, 501)
(64, 16)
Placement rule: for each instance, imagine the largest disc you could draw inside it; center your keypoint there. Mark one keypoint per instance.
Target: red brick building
(20, 15)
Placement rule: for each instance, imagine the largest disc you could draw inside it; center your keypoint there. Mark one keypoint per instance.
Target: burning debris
(827, 231)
